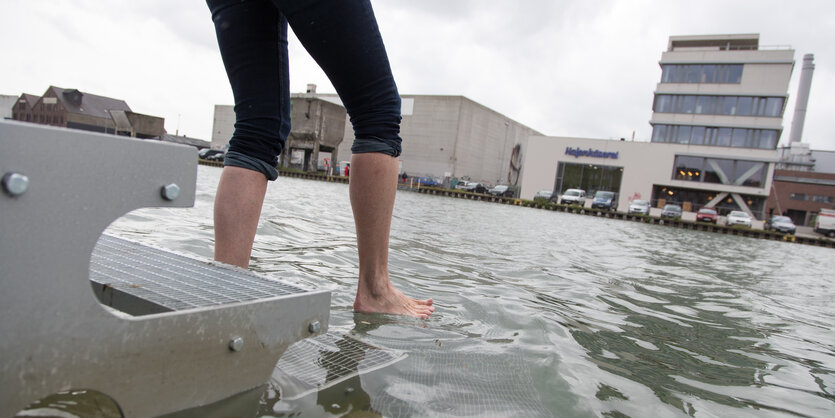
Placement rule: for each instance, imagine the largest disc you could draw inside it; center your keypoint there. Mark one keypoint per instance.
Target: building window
(698, 73)
(589, 177)
(798, 196)
(822, 199)
(713, 136)
(720, 171)
(719, 105)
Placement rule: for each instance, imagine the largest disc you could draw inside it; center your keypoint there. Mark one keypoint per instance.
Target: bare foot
(392, 301)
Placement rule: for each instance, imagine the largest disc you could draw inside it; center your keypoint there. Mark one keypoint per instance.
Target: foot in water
(394, 302)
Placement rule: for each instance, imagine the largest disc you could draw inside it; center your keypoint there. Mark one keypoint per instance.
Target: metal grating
(317, 363)
(176, 282)
(453, 384)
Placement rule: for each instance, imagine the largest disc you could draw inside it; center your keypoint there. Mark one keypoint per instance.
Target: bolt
(236, 344)
(314, 327)
(170, 191)
(15, 184)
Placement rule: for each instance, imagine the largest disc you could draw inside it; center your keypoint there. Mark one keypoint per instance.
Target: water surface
(543, 313)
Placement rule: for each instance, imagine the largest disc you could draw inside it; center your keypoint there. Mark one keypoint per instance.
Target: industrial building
(71, 108)
(717, 118)
(444, 137)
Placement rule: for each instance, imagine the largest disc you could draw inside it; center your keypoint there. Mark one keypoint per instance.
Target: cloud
(574, 68)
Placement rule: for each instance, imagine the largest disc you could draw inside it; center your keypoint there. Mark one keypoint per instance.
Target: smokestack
(802, 98)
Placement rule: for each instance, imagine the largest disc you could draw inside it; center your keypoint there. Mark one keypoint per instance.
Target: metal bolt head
(236, 344)
(170, 191)
(314, 327)
(15, 184)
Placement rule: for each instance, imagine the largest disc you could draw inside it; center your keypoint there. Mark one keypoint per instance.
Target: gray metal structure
(177, 333)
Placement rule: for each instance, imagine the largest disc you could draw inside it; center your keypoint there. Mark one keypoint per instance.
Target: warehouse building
(444, 137)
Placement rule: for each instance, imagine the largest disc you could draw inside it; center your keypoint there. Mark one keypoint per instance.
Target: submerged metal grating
(316, 363)
(461, 384)
(174, 281)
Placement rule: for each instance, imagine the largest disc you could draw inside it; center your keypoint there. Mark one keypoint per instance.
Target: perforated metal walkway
(139, 280)
(316, 363)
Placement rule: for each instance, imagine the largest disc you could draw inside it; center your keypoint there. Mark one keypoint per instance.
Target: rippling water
(545, 313)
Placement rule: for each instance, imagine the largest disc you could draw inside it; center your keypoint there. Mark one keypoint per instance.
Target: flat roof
(749, 41)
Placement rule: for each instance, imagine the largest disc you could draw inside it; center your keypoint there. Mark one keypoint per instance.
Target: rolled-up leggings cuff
(236, 159)
(362, 145)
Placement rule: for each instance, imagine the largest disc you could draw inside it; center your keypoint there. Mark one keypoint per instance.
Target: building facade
(71, 108)
(447, 137)
(721, 91)
(717, 118)
(801, 194)
(661, 173)
(444, 137)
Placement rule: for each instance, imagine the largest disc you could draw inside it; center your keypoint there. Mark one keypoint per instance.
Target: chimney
(311, 88)
(803, 89)
(73, 96)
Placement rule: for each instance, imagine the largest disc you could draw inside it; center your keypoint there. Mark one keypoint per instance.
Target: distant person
(343, 38)
(403, 177)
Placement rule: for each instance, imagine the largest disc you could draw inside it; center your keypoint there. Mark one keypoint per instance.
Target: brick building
(71, 108)
(801, 194)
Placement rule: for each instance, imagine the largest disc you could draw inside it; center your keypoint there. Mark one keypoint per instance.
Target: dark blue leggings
(341, 35)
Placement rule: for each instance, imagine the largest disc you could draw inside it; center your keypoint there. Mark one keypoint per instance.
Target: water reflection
(544, 313)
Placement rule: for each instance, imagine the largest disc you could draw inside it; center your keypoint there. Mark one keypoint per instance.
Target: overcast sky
(581, 68)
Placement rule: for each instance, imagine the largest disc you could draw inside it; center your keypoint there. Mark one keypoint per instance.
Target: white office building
(717, 118)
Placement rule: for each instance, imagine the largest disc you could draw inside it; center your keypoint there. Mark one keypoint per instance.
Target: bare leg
(373, 186)
(240, 195)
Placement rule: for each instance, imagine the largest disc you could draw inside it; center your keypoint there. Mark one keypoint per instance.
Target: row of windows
(719, 137)
(719, 105)
(720, 170)
(48, 119)
(814, 198)
(701, 73)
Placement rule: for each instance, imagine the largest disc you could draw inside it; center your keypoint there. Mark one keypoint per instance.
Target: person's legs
(240, 195)
(373, 186)
(252, 37)
(343, 38)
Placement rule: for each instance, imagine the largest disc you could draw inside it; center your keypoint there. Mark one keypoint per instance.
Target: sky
(583, 68)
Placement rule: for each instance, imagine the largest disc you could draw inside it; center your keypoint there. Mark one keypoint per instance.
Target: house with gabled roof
(72, 108)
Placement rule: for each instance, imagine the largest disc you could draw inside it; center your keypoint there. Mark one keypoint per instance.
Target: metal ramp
(159, 332)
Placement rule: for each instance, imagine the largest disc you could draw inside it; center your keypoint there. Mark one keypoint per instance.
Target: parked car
(573, 197)
(544, 194)
(474, 187)
(501, 190)
(738, 217)
(427, 181)
(671, 211)
(605, 200)
(781, 224)
(640, 207)
(211, 154)
(707, 215)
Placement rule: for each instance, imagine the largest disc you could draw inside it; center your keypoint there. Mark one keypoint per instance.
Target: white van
(825, 223)
(573, 197)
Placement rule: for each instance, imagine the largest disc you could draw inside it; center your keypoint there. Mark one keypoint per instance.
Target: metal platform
(141, 280)
(159, 332)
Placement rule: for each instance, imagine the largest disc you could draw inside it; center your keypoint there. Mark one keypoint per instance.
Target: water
(545, 313)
